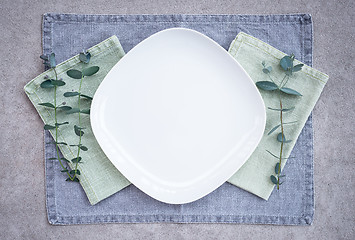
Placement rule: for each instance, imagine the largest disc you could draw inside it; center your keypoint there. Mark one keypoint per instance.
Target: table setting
(177, 120)
(165, 102)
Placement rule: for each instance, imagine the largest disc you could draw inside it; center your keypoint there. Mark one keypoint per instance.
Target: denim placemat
(68, 34)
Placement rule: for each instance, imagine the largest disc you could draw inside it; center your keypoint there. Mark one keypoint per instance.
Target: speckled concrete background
(22, 195)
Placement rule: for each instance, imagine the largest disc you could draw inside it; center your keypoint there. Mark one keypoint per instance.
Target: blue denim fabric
(68, 34)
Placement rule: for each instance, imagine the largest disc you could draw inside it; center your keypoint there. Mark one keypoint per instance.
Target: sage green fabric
(99, 178)
(254, 175)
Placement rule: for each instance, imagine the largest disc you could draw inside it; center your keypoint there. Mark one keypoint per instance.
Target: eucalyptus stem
(80, 132)
(56, 123)
(282, 144)
(281, 84)
(53, 84)
(78, 129)
(286, 64)
(272, 80)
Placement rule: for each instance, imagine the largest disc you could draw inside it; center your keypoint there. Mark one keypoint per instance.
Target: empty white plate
(177, 115)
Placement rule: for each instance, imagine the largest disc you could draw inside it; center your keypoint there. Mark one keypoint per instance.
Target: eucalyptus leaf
(62, 143)
(273, 179)
(44, 57)
(83, 148)
(52, 158)
(90, 70)
(277, 156)
(266, 85)
(85, 58)
(274, 109)
(284, 109)
(86, 96)
(82, 57)
(75, 171)
(290, 91)
(64, 159)
(64, 108)
(288, 109)
(76, 179)
(47, 84)
(274, 129)
(52, 60)
(77, 131)
(297, 68)
(50, 105)
(70, 94)
(88, 57)
(48, 127)
(277, 166)
(280, 139)
(64, 170)
(73, 73)
(272, 154)
(76, 160)
(282, 176)
(85, 111)
(267, 69)
(73, 110)
(286, 63)
(63, 123)
(58, 82)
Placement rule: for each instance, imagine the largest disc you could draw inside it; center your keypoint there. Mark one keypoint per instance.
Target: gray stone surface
(22, 195)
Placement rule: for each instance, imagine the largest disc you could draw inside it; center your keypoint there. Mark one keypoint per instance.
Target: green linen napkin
(99, 178)
(254, 175)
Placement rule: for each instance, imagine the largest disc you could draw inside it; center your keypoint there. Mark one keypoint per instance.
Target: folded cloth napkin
(254, 175)
(100, 179)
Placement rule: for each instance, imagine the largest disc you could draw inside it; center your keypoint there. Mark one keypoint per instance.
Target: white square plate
(177, 116)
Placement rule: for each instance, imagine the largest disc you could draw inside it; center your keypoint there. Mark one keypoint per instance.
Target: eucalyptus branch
(282, 145)
(56, 122)
(286, 63)
(78, 129)
(282, 81)
(80, 132)
(48, 84)
(50, 61)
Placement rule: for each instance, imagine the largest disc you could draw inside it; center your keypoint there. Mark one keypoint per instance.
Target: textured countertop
(22, 193)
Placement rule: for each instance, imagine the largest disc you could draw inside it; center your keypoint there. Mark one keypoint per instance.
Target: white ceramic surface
(177, 115)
